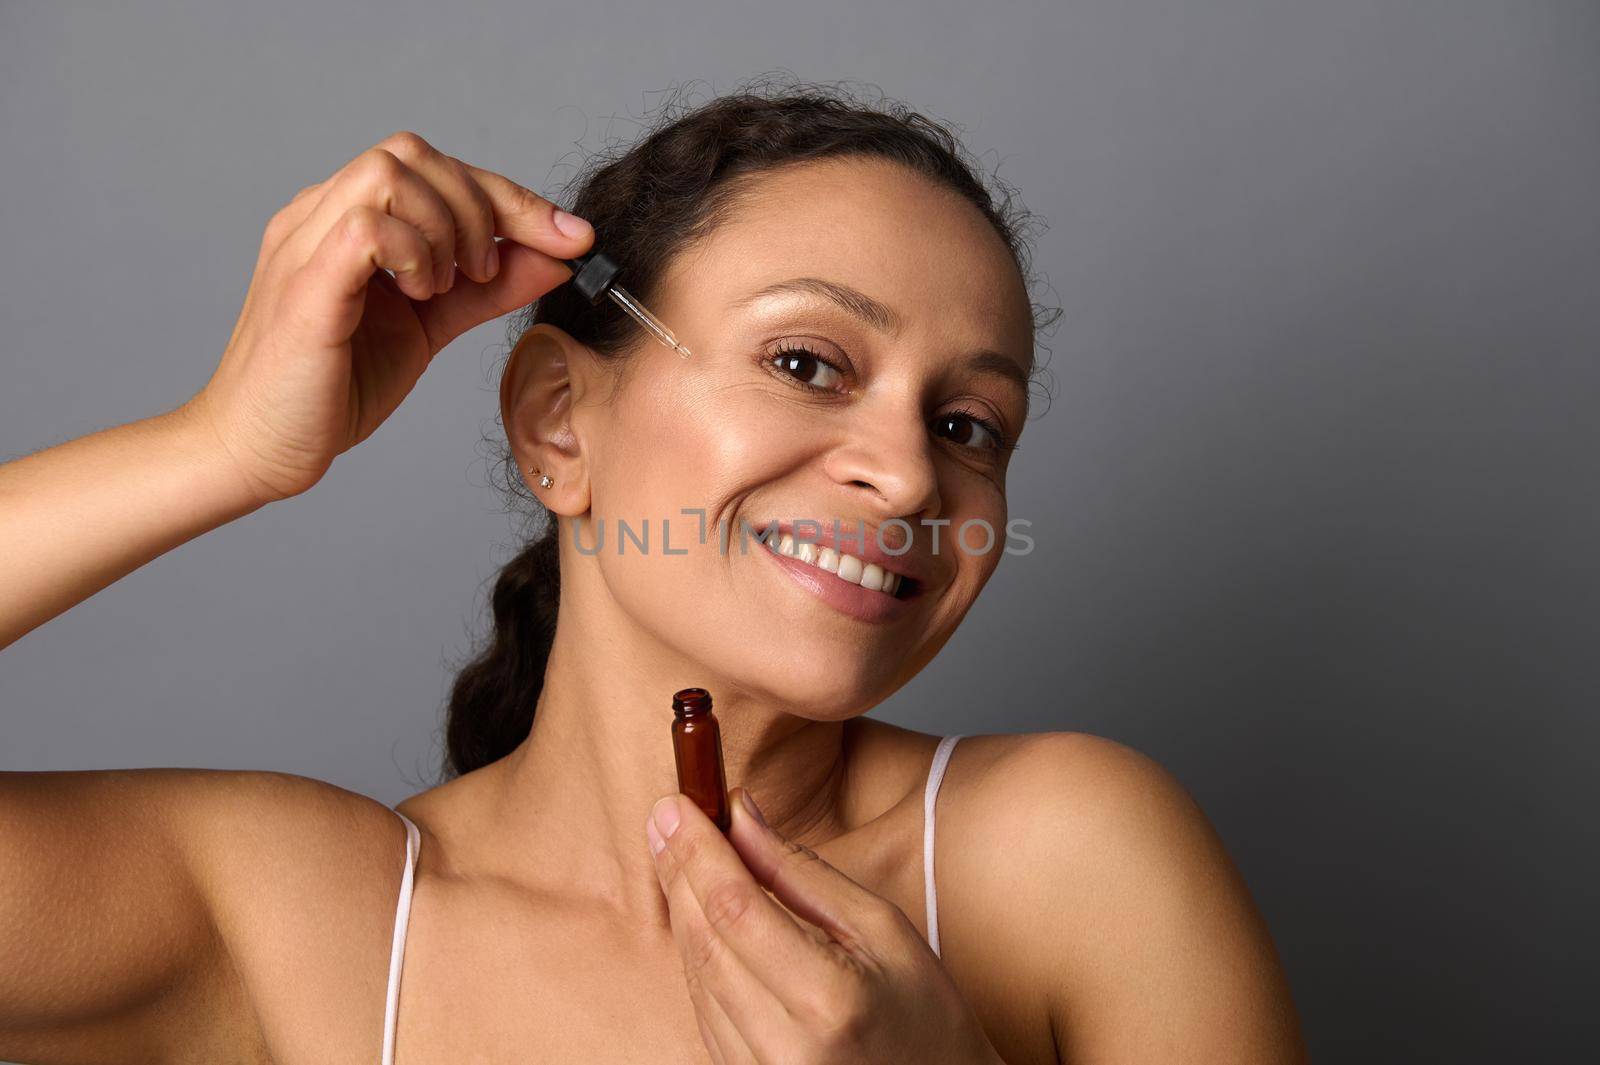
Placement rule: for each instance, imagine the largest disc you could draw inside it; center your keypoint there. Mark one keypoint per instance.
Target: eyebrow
(883, 318)
(880, 316)
(994, 364)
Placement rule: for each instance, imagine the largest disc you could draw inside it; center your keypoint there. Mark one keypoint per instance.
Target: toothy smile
(847, 567)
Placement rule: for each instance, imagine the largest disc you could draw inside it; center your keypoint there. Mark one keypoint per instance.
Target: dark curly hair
(647, 202)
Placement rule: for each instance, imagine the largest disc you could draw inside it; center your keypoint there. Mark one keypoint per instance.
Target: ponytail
(492, 701)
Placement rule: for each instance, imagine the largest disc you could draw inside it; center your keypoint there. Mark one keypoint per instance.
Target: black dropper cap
(592, 274)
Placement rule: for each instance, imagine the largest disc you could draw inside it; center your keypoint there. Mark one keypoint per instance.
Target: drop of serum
(697, 749)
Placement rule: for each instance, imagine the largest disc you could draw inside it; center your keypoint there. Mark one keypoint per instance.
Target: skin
(1088, 911)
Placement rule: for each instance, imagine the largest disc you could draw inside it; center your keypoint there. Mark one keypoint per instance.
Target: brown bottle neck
(691, 702)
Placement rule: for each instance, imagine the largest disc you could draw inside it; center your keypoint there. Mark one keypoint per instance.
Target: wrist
(195, 432)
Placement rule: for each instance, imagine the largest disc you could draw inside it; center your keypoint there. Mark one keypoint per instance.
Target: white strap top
(397, 948)
(930, 796)
(402, 914)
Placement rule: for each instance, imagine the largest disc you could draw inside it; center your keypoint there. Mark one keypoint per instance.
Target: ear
(537, 393)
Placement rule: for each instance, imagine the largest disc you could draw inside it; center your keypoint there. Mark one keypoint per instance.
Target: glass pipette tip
(628, 302)
(595, 274)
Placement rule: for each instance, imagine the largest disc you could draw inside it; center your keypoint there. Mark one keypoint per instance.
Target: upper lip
(912, 564)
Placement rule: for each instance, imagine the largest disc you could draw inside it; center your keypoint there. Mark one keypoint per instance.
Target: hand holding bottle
(855, 982)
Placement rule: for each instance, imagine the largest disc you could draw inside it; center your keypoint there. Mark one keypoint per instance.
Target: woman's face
(803, 400)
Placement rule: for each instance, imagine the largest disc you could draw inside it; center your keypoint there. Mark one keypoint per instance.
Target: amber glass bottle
(697, 748)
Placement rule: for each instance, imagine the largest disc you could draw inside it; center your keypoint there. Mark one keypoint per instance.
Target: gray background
(1315, 503)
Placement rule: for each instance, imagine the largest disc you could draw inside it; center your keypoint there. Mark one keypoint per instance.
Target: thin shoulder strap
(397, 949)
(930, 795)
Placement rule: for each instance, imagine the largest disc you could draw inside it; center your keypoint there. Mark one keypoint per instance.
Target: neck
(576, 793)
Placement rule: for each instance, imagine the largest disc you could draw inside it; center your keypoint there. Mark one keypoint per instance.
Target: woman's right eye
(808, 368)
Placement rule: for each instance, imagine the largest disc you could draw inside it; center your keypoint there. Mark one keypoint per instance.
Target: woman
(862, 339)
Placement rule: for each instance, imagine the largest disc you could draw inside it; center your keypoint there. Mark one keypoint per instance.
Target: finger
(748, 951)
(717, 1031)
(528, 218)
(329, 294)
(468, 203)
(289, 217)
(524, 276)
(732, 906)
(860, 920)
(378, 178)
(708, 1038)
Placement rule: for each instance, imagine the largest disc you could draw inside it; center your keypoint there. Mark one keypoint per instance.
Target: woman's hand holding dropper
(325, 348)
(328, 343)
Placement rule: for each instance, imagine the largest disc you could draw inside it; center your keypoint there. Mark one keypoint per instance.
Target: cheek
(676, 457)
(700, 461)
(699, 438)
(977, 536)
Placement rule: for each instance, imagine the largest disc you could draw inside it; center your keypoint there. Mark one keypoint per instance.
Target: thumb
(524, 276)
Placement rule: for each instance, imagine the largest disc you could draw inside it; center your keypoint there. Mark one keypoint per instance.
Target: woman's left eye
(968, 430)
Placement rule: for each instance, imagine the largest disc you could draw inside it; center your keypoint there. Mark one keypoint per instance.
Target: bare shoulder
(258, 838)
(266, 806)
(302, 877)
(215, 822)
(1097, 789)
(1086, 870)
(1091, 812)
(170, 907)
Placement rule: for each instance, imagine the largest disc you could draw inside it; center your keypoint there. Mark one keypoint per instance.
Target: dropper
(595, 275)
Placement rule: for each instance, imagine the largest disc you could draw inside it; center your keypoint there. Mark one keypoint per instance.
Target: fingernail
(491, 262)
(657, 844)
(664, 815)
(572, 225)
(750, 804)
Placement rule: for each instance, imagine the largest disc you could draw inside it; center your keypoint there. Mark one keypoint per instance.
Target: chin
(819, 684)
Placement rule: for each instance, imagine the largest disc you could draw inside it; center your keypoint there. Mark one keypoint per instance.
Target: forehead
(902, 238)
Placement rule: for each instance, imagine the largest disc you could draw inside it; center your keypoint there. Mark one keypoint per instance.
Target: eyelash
(792, 350)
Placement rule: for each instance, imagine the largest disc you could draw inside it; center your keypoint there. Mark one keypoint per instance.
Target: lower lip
(852, 599)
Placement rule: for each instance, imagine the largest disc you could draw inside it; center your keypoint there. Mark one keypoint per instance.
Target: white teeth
(868, 575)
(850, 568)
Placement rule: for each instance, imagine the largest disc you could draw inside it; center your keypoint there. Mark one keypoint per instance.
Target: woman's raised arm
(354, 292)
(118, 888)
(76, 517)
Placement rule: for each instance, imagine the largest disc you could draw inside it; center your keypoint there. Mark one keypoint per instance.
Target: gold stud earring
(544, 479)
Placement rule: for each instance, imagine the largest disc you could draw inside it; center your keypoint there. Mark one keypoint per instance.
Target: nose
(888, 460)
